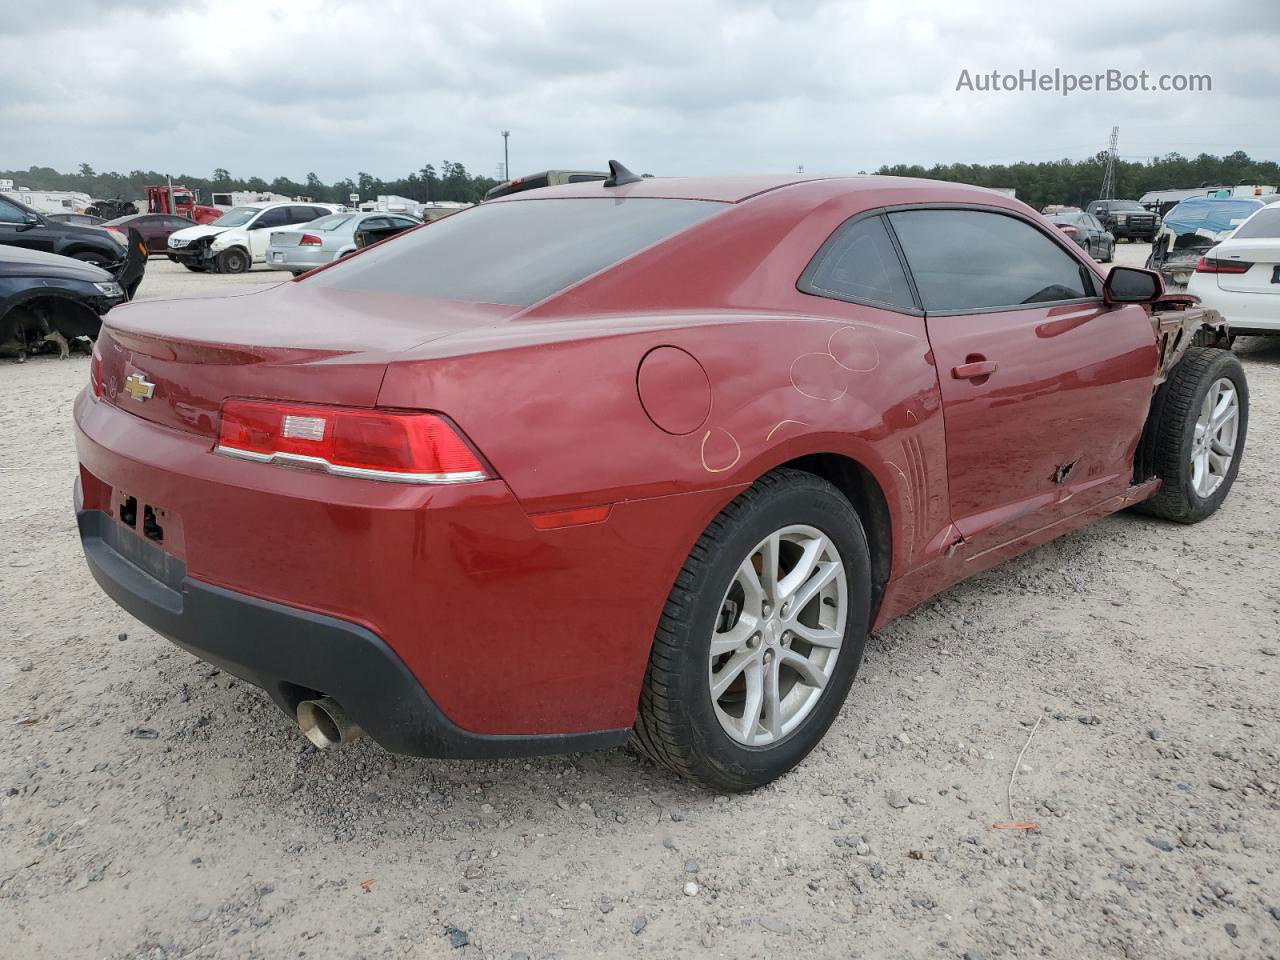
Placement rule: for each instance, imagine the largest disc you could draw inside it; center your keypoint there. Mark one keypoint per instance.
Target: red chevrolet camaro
(641, 458)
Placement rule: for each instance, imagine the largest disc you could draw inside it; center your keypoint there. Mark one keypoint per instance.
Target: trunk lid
(296, 342)
(286, 238)
(1262, 277)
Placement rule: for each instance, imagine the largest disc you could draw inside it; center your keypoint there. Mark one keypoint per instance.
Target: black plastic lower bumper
(293, 654)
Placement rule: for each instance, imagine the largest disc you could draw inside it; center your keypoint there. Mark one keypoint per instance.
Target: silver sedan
(322, 241)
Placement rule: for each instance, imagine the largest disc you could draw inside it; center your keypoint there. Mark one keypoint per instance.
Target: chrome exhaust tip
(326, 724)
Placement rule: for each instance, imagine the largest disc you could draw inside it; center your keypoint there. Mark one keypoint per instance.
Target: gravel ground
(153, 807)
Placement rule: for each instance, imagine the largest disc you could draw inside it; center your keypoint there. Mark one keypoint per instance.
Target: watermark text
(1066, 83)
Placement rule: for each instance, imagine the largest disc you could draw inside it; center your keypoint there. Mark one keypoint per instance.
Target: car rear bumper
(290, 653)
(1244, 312)
(512, 632)
(297, 258)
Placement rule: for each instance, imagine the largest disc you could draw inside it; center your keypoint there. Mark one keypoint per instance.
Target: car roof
(737, 188)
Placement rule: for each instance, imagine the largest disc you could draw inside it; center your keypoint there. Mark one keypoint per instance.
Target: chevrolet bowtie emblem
(137, 386)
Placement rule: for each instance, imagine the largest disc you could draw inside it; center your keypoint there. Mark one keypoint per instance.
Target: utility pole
(506, 159)
(1109, 174)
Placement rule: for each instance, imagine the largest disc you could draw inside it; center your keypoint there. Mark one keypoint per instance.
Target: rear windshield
(1264, 223)
(331, 222)
(516, 252)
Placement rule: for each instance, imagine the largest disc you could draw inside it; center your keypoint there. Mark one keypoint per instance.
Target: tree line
(450, 181)
(1077, 182)
(1054, 181)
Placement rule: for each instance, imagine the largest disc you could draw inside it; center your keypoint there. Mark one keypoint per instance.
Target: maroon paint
(518, 630)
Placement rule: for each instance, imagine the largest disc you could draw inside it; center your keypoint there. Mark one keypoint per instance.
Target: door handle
(974, 369)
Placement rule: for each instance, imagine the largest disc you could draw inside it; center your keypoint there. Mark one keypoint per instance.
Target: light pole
(506, 159)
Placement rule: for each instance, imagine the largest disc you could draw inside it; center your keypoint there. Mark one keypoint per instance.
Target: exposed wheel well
(69, 317)
(858, 484)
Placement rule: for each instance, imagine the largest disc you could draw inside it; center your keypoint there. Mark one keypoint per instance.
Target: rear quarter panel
(551, 398)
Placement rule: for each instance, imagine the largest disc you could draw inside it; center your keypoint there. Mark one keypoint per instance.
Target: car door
(1101, 235)
(260, 230)
(154, 232)
(1045, 388)
(15, 231)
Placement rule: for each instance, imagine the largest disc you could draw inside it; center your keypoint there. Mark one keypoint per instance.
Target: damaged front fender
(1181, 323)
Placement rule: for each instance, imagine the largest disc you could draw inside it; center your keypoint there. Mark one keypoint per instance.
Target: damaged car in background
(331, 238)
(122, 253)
(48, 302)
(1190, 229)
(239, 238)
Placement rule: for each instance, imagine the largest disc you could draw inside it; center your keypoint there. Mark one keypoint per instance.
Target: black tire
(1170, 436)
(194, 267)
(234, 260)
(1111, 252)
(676, 724)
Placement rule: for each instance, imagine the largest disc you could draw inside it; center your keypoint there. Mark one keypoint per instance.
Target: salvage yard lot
(173, 812)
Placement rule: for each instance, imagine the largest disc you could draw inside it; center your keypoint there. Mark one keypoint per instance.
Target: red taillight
(95, 373)
(309, 240)
(373, 444)
(1068, 229)
(119, 235)
(1210, 265)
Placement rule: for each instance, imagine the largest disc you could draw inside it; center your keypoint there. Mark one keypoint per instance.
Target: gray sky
(694, 86)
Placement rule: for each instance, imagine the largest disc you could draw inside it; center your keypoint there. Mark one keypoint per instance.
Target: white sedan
(1240, 277)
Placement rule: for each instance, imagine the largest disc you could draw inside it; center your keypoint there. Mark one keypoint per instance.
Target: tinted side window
(858, 262)
(318, 212)
(9, 213)
(971, 260)
(300, 214)
(276, 217)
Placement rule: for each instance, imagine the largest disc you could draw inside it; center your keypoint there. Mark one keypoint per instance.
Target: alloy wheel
(778, 635)
(1213, 445)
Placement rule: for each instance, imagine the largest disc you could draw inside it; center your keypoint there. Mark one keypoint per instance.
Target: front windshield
(236, 217)
(1124, 205)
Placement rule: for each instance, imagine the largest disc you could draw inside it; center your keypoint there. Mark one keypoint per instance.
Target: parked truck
(182, 202)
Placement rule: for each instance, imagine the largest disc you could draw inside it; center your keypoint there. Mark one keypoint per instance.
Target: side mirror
(30, 220)
(1132, 285)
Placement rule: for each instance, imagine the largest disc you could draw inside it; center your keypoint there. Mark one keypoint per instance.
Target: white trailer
(49, 201)
(239, 198)
(389, 203)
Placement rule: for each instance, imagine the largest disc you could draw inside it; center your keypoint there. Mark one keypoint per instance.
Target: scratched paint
(853, 349)
(715, 439)
(822, 375)
(779, 425)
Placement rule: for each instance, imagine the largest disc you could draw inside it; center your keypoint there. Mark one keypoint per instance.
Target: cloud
(273, 88)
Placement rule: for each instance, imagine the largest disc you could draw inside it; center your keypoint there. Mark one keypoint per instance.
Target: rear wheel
(234, 260)
(1200, 418)
(761, 636)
